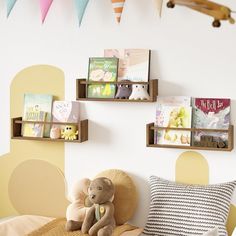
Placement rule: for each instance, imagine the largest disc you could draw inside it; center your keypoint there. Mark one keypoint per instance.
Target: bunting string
(80, 5)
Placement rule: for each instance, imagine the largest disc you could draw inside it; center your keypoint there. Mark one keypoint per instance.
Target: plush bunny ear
(80, 187)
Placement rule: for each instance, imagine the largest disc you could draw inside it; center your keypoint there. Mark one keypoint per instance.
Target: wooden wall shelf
(81, 91)
(150, 128)
(16, 124)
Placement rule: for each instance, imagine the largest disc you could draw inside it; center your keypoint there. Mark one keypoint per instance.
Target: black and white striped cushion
(181, 209)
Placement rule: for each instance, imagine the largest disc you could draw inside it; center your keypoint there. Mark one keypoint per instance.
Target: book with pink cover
(134, 64)
(66, 111)
(211, 113)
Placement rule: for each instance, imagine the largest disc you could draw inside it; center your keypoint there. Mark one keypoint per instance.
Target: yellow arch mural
(36, 79)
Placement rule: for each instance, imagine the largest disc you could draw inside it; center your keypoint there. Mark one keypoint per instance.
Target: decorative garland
(81, 6)
(217, 11)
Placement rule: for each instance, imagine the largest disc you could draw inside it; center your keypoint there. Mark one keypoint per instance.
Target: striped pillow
(181, 209)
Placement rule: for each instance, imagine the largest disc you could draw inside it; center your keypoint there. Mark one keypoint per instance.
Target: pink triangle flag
(45, 5)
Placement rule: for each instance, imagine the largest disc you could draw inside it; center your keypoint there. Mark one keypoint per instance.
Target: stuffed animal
(76, 211)
(139, 91)
(124, 91)
(99, 219)
(55, 133)
(69, 133)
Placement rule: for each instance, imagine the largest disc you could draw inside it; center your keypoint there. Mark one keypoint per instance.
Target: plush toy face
(139, 91)
(124, 91)
(70, 132)
(100, 190)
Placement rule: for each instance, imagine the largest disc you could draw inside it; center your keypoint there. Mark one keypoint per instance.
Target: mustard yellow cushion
(126, 196)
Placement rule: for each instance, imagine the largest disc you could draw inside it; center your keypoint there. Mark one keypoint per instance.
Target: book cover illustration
(102, 69)
(33, 129)
(65, 111)
(174, 100)
(134, 64)
(211, 113)
(183, 101)
(38, 103)
(174, 117)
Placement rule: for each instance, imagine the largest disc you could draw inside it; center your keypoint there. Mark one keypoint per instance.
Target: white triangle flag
(159, 4)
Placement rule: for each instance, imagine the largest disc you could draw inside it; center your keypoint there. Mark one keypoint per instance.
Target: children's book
(102, 69)
(174, 101)
(211, 113)
(134, 64)
(65, 111)
(168, 101)
(33, 129)
(38, 103)
(174, 117)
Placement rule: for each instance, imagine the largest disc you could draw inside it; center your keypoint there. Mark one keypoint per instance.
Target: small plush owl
(139, 91)
(124, 91)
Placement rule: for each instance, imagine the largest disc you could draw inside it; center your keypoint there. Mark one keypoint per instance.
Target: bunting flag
(10, 5)
(45, 5)
(159, 6)
(118, 6)
(81, 7)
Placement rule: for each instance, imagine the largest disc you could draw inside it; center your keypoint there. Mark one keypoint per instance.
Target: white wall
(189, 58)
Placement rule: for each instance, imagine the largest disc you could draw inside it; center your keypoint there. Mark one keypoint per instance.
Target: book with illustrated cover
(134, 64)
(162, 101)
(65, 111)
(174, 117)
(33, 129)
(102, 69)
(211, 113)
(34, 103)
(174, 101)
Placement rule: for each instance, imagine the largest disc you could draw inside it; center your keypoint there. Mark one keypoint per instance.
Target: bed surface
(22, 225)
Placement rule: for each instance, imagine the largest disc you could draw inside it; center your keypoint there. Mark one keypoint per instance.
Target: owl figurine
(124, 91)
(139, 92)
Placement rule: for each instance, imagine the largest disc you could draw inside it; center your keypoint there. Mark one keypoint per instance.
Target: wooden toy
(217, 11)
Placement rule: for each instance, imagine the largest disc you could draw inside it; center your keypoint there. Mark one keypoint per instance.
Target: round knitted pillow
(126, 197)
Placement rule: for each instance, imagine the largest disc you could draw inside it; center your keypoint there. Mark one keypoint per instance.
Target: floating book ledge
(151, 128)
(82, 84)
(16, 124)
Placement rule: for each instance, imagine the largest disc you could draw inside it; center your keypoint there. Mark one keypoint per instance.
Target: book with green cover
(35, 105)
(102, 69)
